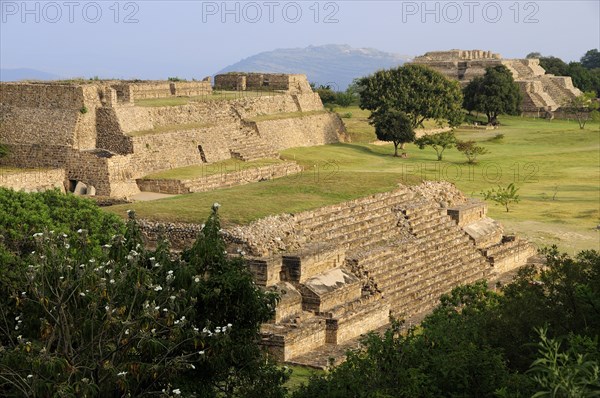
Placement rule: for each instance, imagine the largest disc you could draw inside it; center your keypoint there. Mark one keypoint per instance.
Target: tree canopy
(494, 94)
(416, 91)
(394, 126)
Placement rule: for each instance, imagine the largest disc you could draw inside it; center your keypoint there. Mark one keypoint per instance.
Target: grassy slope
(204, 170)
(540, 156)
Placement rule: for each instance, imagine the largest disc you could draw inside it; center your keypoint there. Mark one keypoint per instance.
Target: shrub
(471, 150)
(347, 115)
(127, 321)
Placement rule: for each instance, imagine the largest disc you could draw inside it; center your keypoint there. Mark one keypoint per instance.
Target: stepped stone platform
(105, 135)
(543, 93)
(342, 270)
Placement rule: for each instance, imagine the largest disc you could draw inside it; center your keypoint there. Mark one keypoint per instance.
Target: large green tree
(591, 59)
(394, 126)
(494, 93)
(416, 91)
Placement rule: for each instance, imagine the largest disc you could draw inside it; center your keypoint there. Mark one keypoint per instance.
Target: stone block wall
(217, 181)
(468, 213)
(33, 180)
(262, 81)
(310, 130)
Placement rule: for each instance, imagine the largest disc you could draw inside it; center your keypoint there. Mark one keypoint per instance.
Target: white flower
(165, 310)
(127, 331)
(151, 258)
(121, 374)
(29, 376)
(79, 230)
(107, 246)
(38, 234)
(229, 325)
(192, 366)
(172, 297)
(112, 281)
(156, 265)
(183, 318)
(201, 352)
(177, 322)
(82, 294)
(170, 272)
(157, 308)
(176, 391)
(61, 278)
(67, 246)
(153, 331)
(81, 265)
(196, 279)
(157, 288)
(107, 308)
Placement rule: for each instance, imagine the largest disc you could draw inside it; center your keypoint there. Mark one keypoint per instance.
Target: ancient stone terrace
(108, 134)
(343, 269)
(541, 92)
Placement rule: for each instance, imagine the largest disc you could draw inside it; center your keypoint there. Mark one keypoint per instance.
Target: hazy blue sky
(157, 39)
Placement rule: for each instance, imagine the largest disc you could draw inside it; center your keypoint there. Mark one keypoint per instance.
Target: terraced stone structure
(342, 270)
(542, 93)
(108, 134)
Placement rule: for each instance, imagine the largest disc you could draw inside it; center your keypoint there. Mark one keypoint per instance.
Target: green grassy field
(555, 165)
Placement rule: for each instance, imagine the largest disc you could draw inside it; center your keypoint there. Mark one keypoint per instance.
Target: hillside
(332, 64)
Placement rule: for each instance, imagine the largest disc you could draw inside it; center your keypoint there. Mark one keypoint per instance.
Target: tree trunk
(395, 149)
(402, 145)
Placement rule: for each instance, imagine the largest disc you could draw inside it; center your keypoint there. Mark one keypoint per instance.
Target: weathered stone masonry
(343, 269)
(99, 135)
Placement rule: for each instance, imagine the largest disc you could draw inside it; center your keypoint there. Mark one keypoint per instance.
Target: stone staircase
(560, 88)
(393, 253)
(247, 145)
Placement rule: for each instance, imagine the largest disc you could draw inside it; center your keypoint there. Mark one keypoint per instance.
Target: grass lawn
(203, 170)
(555, 165)
(214, 96)
(300, 375)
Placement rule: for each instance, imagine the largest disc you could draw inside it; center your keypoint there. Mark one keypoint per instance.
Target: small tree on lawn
(440, 142)
(584, 108)
(471, 150)
(503, 196)
(394, 126)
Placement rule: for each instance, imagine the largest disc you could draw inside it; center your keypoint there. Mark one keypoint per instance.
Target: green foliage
(394, 126)
(83, 110)
(503, 196)
(584, 107)
(439, 142)
(326, 94)
(3, 150)
(585, 75)
(591, 59)
(534, 54)
(111, 318)
(415, 90)
(493, 94)
(346, 115)
(567, 374)
(471, 150)
(344, 99)
(554, 65)
(176, 79)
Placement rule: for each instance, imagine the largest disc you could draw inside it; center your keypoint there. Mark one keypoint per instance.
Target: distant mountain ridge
(12, 75)
(332, 64)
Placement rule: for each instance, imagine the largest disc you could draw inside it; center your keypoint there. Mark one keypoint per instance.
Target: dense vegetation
(538, 335)
(86, 310)
(585, 74)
